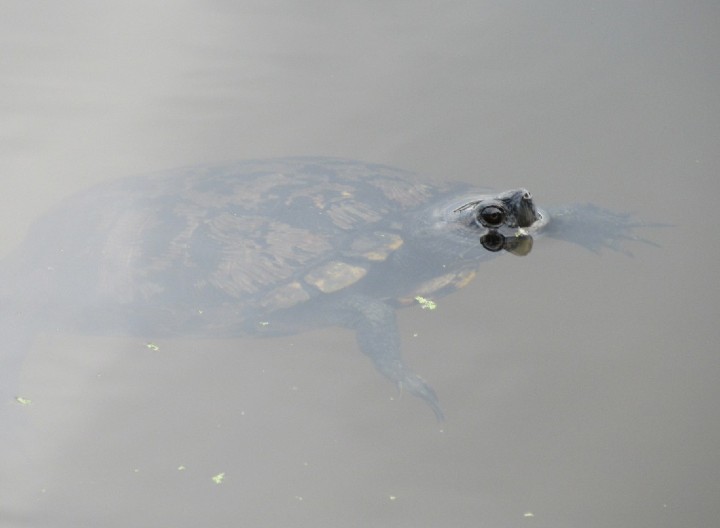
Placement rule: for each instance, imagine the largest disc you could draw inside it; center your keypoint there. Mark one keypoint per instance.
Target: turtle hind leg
(377, 335)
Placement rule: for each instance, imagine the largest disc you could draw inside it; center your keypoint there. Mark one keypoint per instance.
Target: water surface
(580, 389)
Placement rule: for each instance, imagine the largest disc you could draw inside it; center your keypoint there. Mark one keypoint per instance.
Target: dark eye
(491, 216)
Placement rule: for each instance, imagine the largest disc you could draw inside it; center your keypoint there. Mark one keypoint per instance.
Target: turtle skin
(269, 247)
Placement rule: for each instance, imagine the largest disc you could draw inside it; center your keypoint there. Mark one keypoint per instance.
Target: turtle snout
(524, 207)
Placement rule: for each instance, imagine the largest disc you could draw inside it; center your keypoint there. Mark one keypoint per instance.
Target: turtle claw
(417, 386)
(407, 380)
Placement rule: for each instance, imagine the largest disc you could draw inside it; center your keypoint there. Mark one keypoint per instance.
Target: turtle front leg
(377, 334)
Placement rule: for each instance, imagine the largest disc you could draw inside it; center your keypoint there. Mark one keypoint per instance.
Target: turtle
(272, 247)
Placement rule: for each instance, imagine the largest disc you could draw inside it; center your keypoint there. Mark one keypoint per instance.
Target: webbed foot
(595, 228)
(377, 335)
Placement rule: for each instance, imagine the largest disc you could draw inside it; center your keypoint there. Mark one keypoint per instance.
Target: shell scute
(334, 276)
(285, 296)
(375, 246)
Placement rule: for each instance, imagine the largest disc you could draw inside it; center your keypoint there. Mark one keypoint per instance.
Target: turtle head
(492, 222)
(508, 209)
(503, 217)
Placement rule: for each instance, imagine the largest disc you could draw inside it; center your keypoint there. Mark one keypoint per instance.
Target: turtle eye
(491, 215)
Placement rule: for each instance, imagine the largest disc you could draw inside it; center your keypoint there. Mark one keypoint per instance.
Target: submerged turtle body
(266, 248)
(226, 251)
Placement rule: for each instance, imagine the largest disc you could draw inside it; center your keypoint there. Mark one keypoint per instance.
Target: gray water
(580, 389)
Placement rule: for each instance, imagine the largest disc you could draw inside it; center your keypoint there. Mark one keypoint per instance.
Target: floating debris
(426, 304)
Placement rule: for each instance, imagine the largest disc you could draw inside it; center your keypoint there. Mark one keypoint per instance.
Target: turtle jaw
(543, 219)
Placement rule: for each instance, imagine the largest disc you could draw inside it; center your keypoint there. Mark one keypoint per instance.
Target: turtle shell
(222, 250)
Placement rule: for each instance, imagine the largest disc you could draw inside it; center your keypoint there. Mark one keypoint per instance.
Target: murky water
(580, 389)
